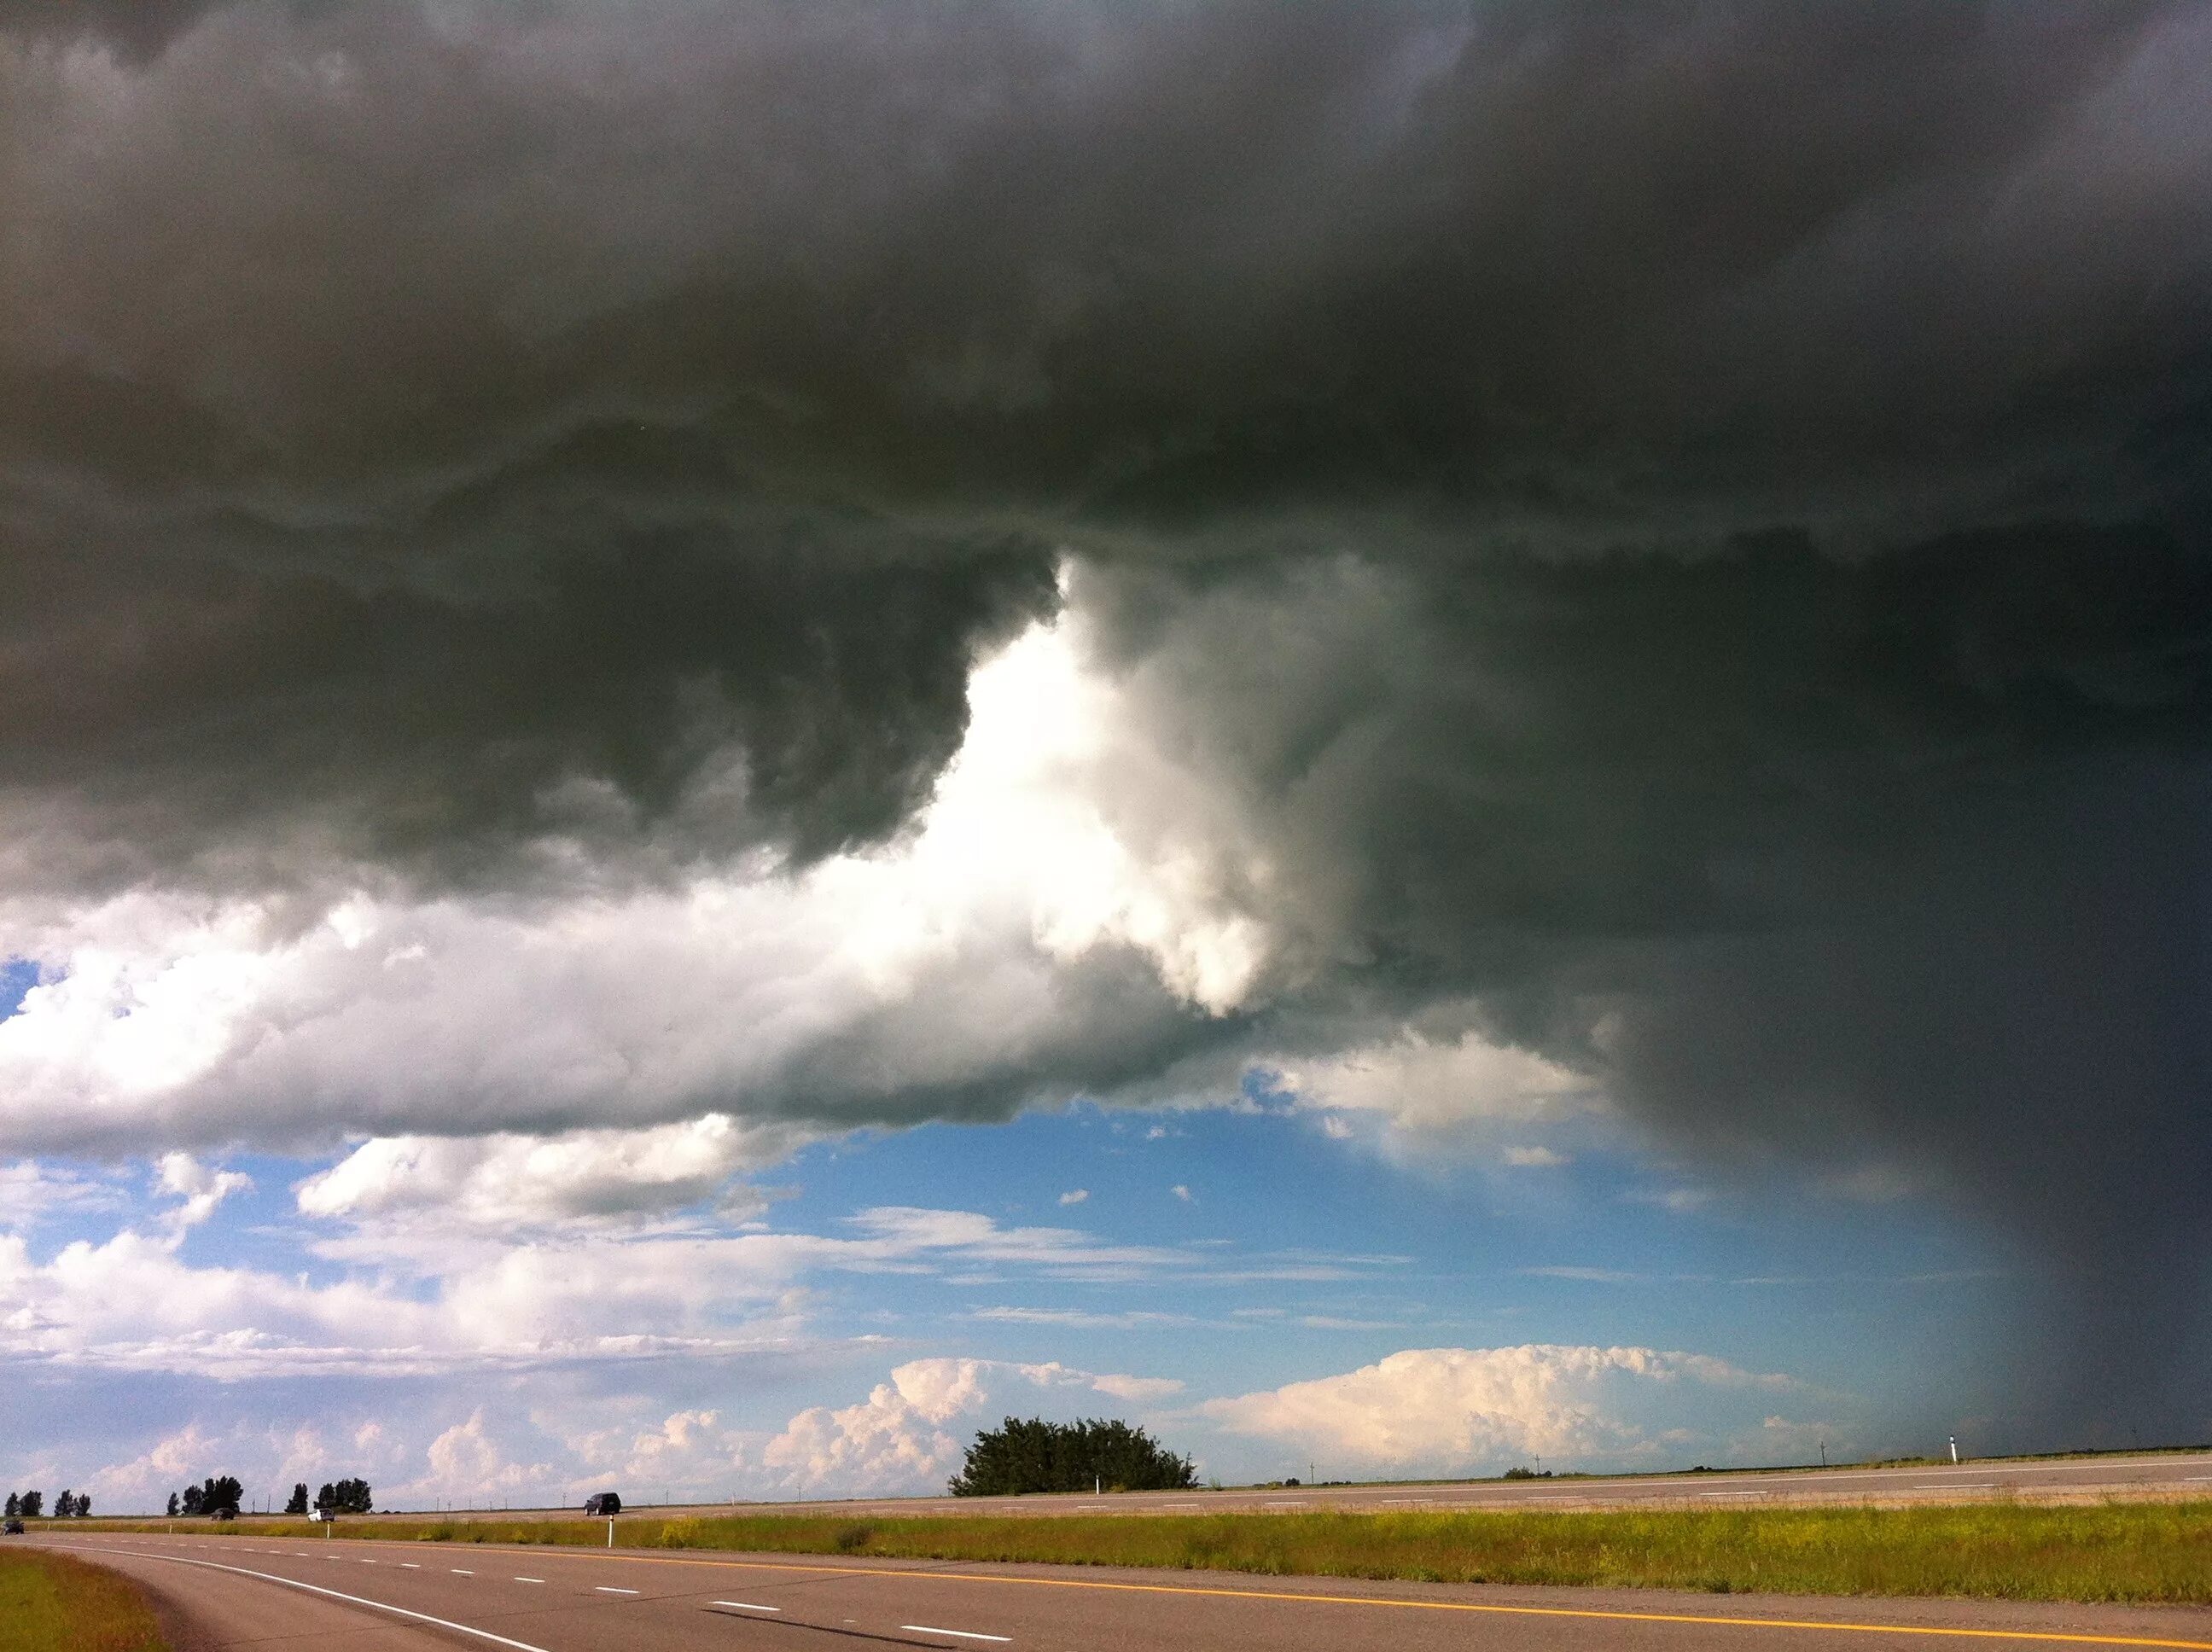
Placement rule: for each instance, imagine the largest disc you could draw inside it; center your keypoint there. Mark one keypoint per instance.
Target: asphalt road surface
(340, 1596)
(2083, 1478)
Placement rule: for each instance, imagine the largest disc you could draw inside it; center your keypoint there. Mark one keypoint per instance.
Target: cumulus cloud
(910, 1432)
(202, 1187)
(1436, 1090)
(505, 1182)
(1454, 1409)
(466, 1463)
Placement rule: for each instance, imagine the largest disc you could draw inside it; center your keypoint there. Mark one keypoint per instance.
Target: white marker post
(1954, 1451)
(610, 1531)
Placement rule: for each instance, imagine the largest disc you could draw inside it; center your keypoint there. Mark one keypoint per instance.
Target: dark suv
(603, 1503)
(14, 1527)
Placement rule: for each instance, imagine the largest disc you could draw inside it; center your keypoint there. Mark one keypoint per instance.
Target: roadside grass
(2139, 1553)
(57, 1603)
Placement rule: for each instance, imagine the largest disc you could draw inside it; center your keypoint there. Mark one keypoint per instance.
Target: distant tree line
(1040, 1456)
(30, 1505)
(221, 1491)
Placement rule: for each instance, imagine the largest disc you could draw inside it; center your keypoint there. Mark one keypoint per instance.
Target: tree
(219, 1492)
(65, 1504)
(83, 1504)
(352, 1497)
(1040, 1456)
(30, 1504)
(172, 1505)
(299, 1502)
(191, 1500)
(14, 1503)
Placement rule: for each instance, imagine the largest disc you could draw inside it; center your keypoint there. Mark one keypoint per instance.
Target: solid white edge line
(744, 1606)
(351, 1600)
(964, 1634)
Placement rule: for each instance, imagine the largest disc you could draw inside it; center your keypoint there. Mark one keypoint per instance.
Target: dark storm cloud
(135, 30)
(1682, 524)
(1807, 860)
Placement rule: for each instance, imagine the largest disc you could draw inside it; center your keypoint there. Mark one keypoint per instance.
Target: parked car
(603, 1503)
(14, 1528)
(224, 1514)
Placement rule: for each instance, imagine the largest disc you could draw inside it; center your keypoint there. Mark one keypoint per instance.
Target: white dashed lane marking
(957, 1634)
(609, 1588)
(744, 1606)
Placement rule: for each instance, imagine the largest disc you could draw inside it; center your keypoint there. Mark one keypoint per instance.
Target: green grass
(2146, 1552)
(56, 1603)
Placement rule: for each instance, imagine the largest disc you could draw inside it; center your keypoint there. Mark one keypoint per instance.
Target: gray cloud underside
(1682, 524)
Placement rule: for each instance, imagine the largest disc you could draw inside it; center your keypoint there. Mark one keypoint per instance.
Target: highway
(334, 1595)
(2066, 1479)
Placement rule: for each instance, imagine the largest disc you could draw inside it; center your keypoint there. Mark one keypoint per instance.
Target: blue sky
(1291, 1255)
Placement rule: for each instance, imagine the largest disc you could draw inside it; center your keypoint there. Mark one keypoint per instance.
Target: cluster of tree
(1526, 1473)
(345, 1497)
(216, 1493)
(30, 1505)
(337, 1497)
(1040, 1456)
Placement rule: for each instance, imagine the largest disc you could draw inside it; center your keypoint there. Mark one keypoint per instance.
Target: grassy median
(2144, 1552)
(55, 1603)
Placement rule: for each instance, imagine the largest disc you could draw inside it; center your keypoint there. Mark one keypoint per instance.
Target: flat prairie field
(2148, 1554)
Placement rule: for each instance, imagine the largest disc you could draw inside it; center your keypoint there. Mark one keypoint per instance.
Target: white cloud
(1430, 1087)
(1527, 1158)
(1455, 1409)
(1134, 1320)
(435, 1300)
(165, 1019)
(1075, 1195)
(501, 1182)
(466, 1463)
(1682, 1201)
(30, 1193)
(1137, 1390)
(1182, 1192)
(909, 1434)
(201, 1187)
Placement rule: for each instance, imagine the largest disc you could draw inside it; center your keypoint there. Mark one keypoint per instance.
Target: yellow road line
(2051, 1635)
